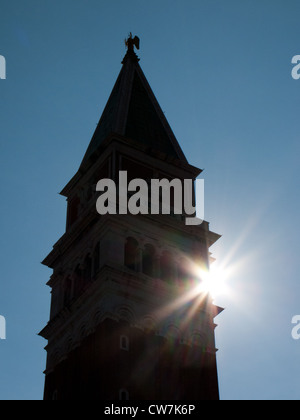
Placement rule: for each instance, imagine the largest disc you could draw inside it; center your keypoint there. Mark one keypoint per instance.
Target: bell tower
(128, 319)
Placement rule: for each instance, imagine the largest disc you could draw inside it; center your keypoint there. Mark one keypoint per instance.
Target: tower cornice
(124, 144)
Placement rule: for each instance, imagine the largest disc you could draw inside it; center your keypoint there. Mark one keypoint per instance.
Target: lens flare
(213, 281)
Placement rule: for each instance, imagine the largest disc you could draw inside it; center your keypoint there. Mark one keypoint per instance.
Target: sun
(209, 283)
(213, 281)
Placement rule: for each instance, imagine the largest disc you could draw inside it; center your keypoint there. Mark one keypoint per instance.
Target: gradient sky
(221, 71)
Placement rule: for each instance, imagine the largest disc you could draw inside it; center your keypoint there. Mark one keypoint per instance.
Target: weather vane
(132, 42)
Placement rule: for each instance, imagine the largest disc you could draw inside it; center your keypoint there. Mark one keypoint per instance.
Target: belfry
(128, 318)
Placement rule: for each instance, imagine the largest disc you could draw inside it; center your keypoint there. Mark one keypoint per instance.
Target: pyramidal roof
(132, 111)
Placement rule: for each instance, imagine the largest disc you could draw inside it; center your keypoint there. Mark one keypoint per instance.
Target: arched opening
(78, 280)
(55, 396)
(123, 395)
(87, 271)
(131, 254)
(124, 342)
(198, 339)
(166, 266)
(148, 260)
(184, 272)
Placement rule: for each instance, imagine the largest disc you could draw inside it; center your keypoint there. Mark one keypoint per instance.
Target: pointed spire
(132, 111)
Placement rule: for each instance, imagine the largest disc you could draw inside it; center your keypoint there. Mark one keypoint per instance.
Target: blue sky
(221, 71)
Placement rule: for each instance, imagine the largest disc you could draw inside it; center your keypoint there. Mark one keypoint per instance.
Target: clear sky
(221, 71)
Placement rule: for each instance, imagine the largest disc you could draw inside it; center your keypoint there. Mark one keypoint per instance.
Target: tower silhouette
(128, 319)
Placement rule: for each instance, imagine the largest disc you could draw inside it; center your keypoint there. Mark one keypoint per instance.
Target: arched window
(148, 260)
(166, 266)
(87, 272)
(78, 280)
(124, 342)
(123, 395)
(131, 254)
(198, 340)
(173, 336)
(184, 271)
(55, 395)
